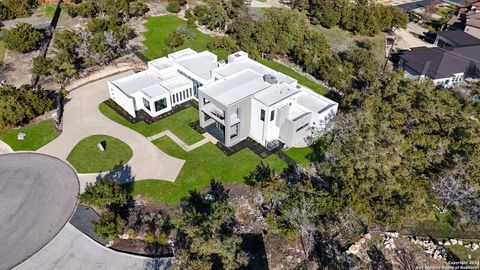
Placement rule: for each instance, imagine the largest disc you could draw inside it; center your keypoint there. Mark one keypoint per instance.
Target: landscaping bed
(178, 123)
(86, 157)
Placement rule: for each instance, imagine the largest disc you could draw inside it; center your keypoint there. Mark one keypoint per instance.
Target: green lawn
(38, 135)
(49, 9)
(299, 155)
(87, 158)
(322, 90)
(158, 29)
(202, 165)
(176, 123)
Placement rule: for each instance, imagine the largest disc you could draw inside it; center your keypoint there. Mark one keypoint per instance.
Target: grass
(49, 9)
(299, 155)
(340, 40)
(322, 90)
(465, 254)
(176, 123)
(38, 135)
(158, 28)
(87, 158)
(202, 164)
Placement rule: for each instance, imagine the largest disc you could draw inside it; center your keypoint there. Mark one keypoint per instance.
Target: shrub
(137, 8)
(132, 234)
(174, 39)
(108, 225)
(11, 9)
(23, 38)
(149, 237)
(40, 66)
(173, 6)
(104, 193)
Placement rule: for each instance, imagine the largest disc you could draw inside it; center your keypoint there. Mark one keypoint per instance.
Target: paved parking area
(37, 197)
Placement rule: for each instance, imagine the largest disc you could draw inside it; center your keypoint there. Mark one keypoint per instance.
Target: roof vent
(269, 78)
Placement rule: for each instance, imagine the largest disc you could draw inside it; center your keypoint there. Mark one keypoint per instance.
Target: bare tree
(451, 188)
(406, 259)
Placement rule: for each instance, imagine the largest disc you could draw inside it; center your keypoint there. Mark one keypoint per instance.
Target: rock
(368, 236)
(353, 249)
(388, 246)
(460, 242)
(289, 258)
(475, 247)
(362, 241)
(124, 236)
(447, 243)
(454, 241)
(109, 244)
(21, 136)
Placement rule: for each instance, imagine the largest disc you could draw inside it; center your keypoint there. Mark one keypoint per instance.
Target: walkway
(206, 139)
(5, 148)
(82, 118)
(73, 250)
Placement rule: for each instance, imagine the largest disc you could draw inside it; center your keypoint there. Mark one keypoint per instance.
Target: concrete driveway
(82, 118)
(37, 197)
(73, 250)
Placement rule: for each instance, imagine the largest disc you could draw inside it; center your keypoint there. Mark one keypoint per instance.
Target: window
(272, 115)
(302, 127)
(146, 104)
(183, 94)
(187, 93)
(262, 115)
(160, 104)
(177, 97)
(191, 91)
(173, 99)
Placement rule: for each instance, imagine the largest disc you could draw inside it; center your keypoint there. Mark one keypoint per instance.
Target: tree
(41, 65)
(104, 193)
(19, 105)
(108, 225)
(23, 38)
(66, 41)
(173, 6)
(11, 9)
(174, 40)
(327, 13)
(206, 231)
(137, 8)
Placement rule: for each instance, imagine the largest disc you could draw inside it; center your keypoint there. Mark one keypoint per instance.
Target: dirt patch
(17, 67)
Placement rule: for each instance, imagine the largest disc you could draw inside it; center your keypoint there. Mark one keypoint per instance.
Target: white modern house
(238, 99)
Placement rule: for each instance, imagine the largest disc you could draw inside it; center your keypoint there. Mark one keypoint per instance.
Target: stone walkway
(206, 138)
(82, 118)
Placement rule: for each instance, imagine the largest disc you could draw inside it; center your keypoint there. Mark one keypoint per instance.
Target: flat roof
(151, 83)
(201, 64)
(275, 93)
(314, 103)
(236, 87)
(247, 63)
(161, 63)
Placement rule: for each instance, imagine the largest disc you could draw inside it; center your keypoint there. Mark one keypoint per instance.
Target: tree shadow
(122, 174)
(254, 245)
(158, 264)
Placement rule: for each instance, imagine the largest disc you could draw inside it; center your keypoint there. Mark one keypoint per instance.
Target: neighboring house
(249, 99)
(467, 19)
(238, 99)
(457, 57)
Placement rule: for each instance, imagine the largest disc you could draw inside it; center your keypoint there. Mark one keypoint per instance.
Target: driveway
(82, 118)
(37, 197)
(73, 250)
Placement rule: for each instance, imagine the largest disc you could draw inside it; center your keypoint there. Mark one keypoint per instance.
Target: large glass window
(146, 104)
(262, 115)
(272, 115)
(160, 104)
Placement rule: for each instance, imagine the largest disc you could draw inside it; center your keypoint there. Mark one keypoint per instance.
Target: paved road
(73, 250)
(82, 119)
(37, 197)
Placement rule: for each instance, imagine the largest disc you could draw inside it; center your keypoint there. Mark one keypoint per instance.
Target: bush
(108, 225)
(11, 9)
(40, 66)
(174, 39)
(132, 234)
(173, 6)
(149, 237)
(104, 193)
(19, 105)
(23, 38)
(137, 8)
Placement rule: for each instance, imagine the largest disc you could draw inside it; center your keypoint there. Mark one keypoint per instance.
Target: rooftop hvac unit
(269, 78)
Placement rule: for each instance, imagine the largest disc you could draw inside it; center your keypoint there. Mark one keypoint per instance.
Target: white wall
(257, 126)
(126, 102)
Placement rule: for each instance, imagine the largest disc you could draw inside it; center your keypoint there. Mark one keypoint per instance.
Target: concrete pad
(37, 198)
